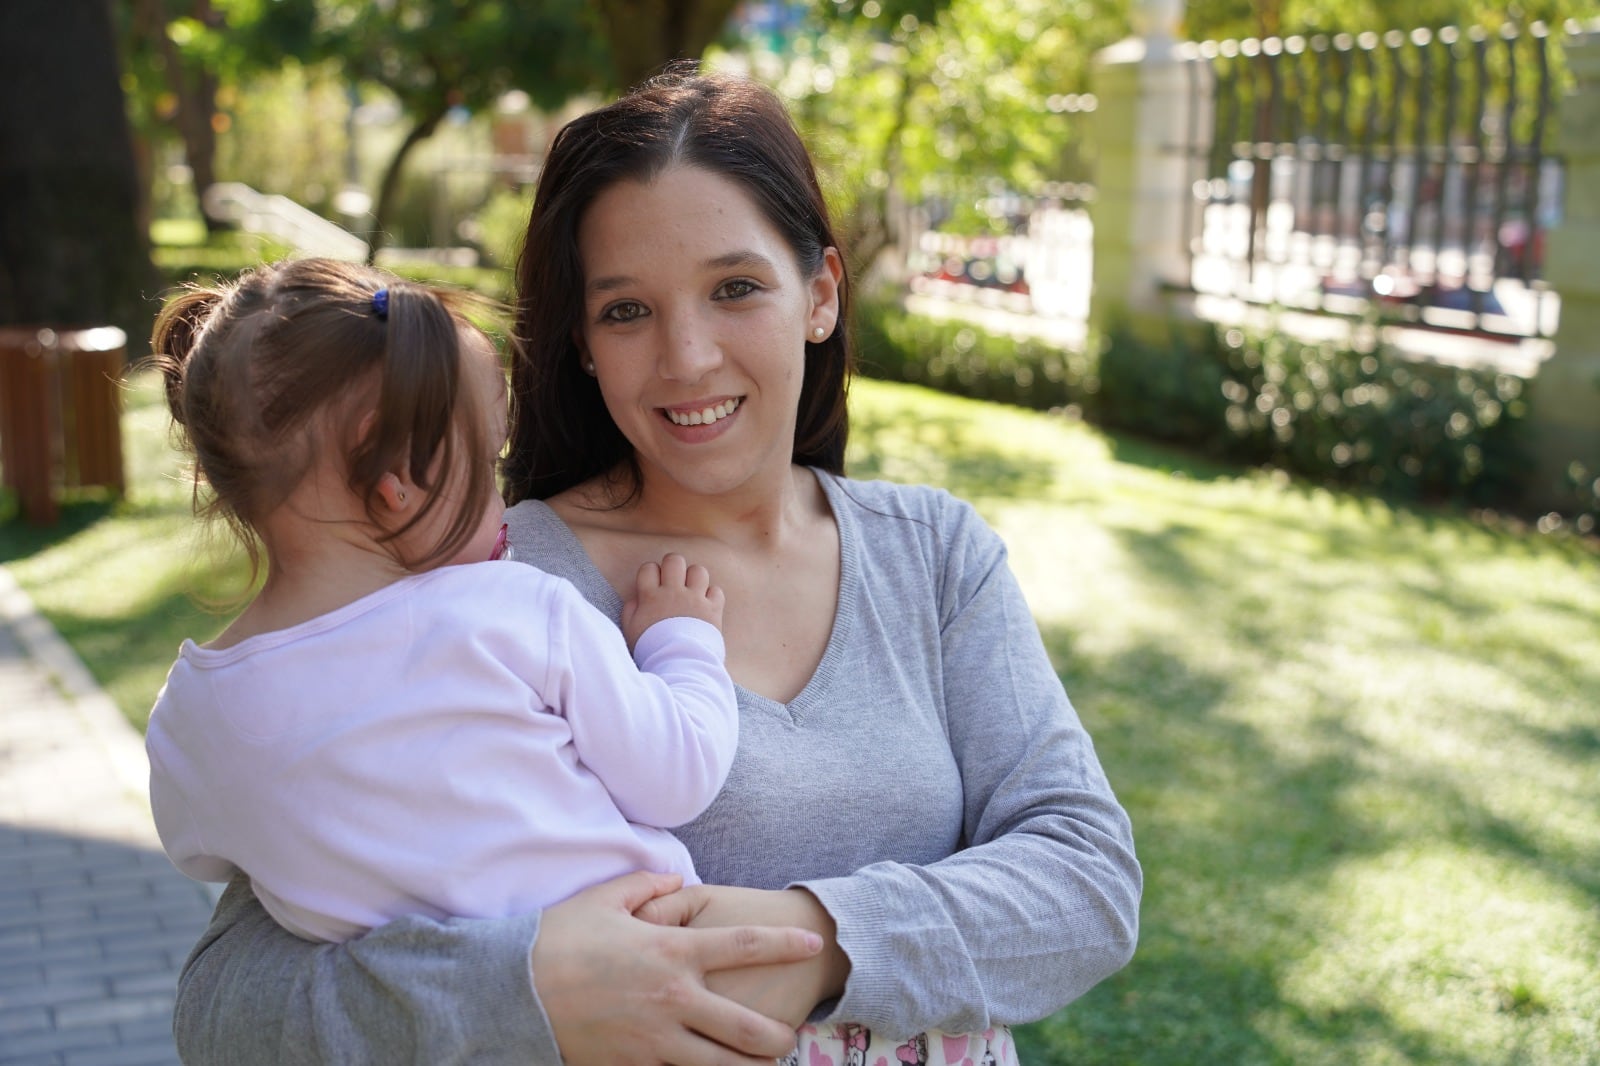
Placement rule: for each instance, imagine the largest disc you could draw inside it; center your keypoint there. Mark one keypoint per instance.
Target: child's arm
(661, 734)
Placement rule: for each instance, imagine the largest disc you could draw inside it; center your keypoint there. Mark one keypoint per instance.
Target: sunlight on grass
(1359, 742)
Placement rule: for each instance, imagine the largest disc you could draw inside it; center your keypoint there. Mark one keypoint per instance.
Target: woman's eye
(733, 290)
(622, 312)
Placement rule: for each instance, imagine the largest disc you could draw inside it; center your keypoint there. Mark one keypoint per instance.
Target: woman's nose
(688, 350)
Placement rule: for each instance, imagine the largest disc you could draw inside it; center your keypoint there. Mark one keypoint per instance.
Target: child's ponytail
(266, 373)
(173, 340)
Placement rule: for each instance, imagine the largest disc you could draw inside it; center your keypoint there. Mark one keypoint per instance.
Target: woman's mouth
(703, 416)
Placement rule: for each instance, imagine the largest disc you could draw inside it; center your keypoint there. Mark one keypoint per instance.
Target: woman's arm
(1043, 901)
(1039, 898)
(611, 989)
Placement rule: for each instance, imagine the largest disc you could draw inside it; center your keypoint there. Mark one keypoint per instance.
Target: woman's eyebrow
(741, 258)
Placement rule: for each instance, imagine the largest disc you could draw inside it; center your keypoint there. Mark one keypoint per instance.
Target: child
(396, 724)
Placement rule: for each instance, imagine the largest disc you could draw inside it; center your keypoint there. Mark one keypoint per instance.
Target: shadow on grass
(1241, 839)
(20, 539)
(952, 452)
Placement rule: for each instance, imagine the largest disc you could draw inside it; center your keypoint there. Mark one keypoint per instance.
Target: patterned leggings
(854, 1045)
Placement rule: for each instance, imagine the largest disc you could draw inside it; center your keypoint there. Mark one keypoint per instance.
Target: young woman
(912, 783)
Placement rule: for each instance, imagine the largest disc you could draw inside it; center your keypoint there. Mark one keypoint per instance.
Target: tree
(645, 34)
(919, 98)
(71, 251)
(181, 56)
(435, 55)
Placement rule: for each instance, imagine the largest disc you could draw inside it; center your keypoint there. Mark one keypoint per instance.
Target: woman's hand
(787, 991)
(624, 992)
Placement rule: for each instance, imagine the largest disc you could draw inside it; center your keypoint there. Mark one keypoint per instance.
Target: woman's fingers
(626, 893)
(618, 990)
(737, 946)
(673, 908)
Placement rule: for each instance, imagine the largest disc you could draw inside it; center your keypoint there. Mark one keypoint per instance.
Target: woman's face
(696, 317)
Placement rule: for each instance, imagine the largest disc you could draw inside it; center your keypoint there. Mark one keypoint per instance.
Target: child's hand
(670, 589)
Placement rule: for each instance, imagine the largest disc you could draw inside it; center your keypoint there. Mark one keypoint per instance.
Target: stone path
(94, 921)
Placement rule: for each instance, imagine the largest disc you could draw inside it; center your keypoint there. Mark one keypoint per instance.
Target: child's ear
(392, 492)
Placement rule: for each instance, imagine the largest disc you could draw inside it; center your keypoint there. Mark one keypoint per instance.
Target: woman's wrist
(832, 965)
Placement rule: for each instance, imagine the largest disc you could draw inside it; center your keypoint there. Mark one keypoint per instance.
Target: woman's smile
(698, 415)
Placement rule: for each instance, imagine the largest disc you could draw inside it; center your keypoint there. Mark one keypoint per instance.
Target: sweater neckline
(843, 615)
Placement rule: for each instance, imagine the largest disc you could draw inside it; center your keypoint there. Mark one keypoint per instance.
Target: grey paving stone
(94, 920)
(57, 1041)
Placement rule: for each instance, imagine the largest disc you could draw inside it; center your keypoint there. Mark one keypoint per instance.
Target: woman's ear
(585, 360)
(825, 295)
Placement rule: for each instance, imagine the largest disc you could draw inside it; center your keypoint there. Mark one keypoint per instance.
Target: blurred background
(1267, 333)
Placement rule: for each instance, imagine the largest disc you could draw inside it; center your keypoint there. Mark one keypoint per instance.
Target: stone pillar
(1564, 397)
(1152, 102)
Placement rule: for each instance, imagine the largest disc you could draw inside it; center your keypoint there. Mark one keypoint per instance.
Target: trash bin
(60, 413)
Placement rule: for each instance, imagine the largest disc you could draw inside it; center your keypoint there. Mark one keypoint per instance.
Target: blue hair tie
(380, 304)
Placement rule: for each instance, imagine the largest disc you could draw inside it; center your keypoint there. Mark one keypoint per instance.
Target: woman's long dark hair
(561, 433)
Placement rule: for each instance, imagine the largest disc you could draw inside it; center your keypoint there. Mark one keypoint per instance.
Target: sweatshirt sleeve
(413, 991)
(1043, 902)
(661, 734)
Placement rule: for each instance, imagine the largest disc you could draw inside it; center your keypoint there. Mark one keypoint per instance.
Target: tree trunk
(644, 34)
(71, 252)
(391, 178)
(195, 88)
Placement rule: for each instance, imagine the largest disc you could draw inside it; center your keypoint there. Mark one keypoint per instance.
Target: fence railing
(1407, 172)
(987, 244)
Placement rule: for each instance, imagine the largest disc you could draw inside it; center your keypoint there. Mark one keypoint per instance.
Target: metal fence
(1409, 173)
(984, 243)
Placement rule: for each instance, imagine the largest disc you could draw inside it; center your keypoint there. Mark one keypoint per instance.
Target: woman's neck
(757, 514)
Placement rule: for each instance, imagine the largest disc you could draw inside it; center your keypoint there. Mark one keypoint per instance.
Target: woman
(912, 785)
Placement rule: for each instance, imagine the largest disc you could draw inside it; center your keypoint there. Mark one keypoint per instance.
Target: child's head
(314, 360)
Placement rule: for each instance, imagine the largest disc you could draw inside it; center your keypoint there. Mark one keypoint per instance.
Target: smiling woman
(696, 325)
(912, 786)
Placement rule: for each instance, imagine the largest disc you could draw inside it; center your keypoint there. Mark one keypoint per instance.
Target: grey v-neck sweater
(931, 785)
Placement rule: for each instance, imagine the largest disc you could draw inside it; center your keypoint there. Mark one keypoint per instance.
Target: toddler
(396, 723)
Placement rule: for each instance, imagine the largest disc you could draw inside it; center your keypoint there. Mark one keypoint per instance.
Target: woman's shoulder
(870, 501)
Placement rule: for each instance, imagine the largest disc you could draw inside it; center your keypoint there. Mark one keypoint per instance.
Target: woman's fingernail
(814, 942)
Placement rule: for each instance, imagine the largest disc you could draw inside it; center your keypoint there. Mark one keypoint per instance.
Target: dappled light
(1357, 741)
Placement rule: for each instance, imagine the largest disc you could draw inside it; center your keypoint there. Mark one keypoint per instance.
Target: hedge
(1357, 414)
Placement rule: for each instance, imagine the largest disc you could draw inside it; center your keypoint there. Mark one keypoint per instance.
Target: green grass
(1360, 743)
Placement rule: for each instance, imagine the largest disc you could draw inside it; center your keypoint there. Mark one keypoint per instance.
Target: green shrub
(1355, 414)
(960, 358)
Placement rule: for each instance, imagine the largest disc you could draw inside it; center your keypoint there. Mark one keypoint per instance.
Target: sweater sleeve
(660, 735)
(412, 991)
(1043, 901)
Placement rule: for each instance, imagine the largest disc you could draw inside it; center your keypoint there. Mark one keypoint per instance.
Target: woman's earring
(819, 333)
(587, 364)
(402, 494)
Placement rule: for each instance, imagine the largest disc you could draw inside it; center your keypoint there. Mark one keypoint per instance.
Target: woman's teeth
(703, 417)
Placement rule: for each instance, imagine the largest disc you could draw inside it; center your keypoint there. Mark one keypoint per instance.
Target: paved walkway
(94, 922)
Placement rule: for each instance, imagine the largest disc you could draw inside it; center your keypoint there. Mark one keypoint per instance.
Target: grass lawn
(1360, 744)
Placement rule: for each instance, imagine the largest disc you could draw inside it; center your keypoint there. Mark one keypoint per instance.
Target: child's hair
(263, 372)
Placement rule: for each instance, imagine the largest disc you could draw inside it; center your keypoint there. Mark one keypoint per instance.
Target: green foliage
(433, 54)
(1359, 415)
(502, 222)
(919, 91)
(1220, 19)
(287, 133)
(957, 357)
